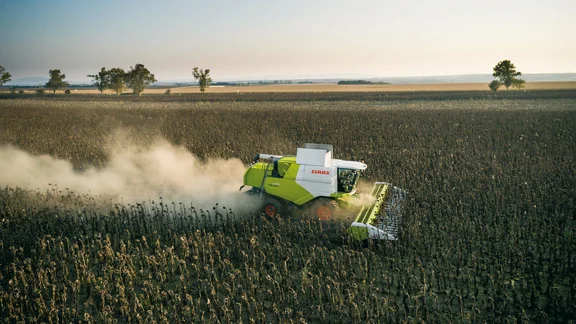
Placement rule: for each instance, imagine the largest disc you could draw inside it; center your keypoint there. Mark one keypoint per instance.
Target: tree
(117, 78)
(518, 83)
(56, 80)
(506, 73)
(101, 80)
(494, 85)
(139, 78)
(203, 77)
(4, 76)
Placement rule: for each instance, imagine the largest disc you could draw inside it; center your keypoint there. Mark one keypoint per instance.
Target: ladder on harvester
(268, 161)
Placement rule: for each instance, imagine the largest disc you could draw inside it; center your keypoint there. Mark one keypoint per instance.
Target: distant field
(370, 87)
(338, 88)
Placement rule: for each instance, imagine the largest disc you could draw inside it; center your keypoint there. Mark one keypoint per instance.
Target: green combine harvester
(314, 183)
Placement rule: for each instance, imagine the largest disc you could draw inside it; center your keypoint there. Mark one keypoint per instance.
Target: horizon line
(295, 78)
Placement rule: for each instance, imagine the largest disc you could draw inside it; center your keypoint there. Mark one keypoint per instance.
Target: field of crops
(489, 229)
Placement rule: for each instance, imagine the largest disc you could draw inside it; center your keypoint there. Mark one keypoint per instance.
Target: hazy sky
(286, 38)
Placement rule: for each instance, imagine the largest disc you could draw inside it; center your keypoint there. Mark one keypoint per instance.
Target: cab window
(347, 180)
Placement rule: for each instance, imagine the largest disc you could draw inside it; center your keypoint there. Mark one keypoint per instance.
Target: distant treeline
(360, 82)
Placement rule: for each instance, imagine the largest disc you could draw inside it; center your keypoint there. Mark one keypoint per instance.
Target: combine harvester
(325, 188)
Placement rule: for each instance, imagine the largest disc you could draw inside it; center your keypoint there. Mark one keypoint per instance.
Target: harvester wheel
(324, 209)
(271, 208)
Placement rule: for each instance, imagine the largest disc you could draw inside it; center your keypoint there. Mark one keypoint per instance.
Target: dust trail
(133, 174)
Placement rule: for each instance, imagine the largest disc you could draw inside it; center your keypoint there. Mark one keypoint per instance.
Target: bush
(20, 91)
(40, 91)
(494, 85)
(167, 91)
(67, 91)
(518, 83)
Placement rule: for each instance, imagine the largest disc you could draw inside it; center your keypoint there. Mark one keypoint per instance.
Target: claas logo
(320, 172)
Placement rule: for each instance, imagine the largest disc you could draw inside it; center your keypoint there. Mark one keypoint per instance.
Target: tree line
(115, 79)
(139, 77)
(349, 82)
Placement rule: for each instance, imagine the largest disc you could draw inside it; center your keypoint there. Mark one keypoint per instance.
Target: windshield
(347, 180)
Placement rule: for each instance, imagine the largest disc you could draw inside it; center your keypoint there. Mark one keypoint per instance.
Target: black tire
(272, 207)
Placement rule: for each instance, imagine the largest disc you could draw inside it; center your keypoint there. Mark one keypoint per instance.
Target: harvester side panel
(287, 189)
(317, 180)
(254, 175)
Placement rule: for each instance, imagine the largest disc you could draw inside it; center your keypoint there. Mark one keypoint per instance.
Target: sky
(286, 39)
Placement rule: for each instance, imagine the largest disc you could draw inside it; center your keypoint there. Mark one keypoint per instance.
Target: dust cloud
(363, 191)
(134, 174)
